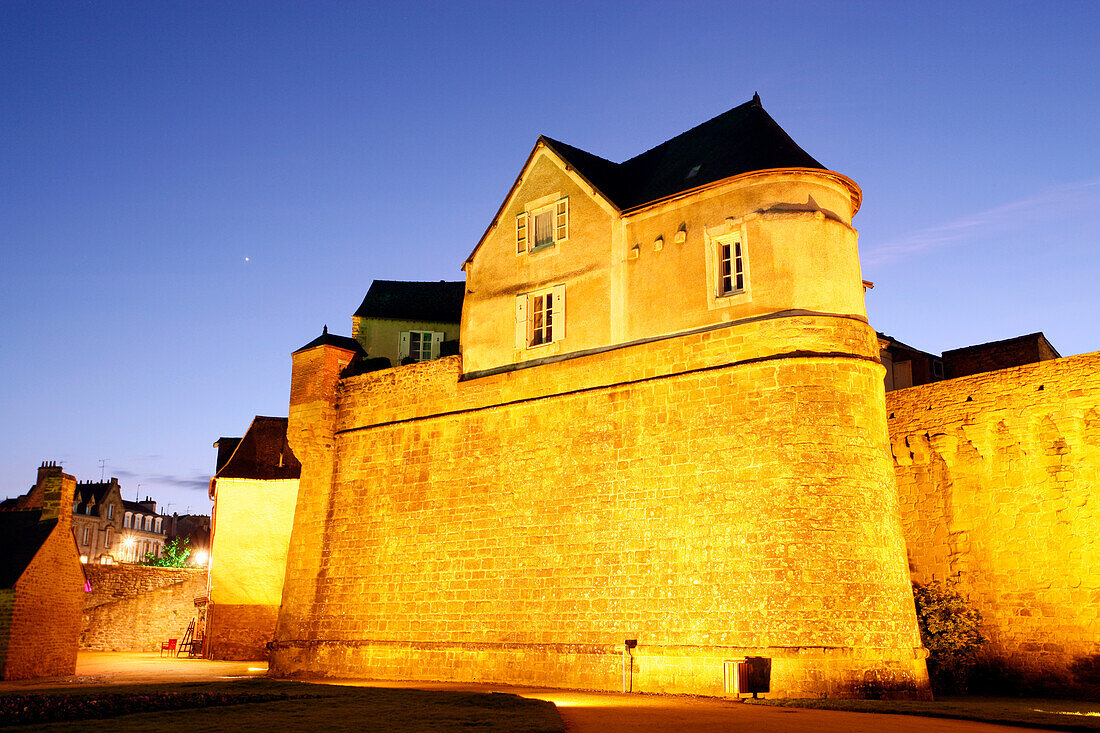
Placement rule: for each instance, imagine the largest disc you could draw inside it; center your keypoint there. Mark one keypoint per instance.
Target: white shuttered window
(542, 227)
(540, 317)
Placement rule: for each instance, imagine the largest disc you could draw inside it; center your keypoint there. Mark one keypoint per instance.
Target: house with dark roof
(409, 321)
(41, 583)
(727, 221)
(254, 490)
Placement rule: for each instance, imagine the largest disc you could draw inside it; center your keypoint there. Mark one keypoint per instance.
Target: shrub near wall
(135, 608)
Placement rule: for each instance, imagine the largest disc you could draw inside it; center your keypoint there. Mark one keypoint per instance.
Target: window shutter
(403, 345)
(559, 312)
(521, 321)
(521, 233)
(437, 339)
(561, 220)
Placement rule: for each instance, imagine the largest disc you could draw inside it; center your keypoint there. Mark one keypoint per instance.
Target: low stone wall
(136, 608)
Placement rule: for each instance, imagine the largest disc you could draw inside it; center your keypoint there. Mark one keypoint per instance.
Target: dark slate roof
(328, 339)
(97, 490)
(138, 508)
(1036, 338)
(21, 536)
(744, 139)
(258, 454)
(225, 447)
(439, 302)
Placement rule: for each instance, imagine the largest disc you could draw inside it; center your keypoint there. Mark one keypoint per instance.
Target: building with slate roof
(661, 449)
(586, 254)
(41, 583)
(409, 321)
(254, 490)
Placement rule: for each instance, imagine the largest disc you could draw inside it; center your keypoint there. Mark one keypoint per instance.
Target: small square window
(731, 268)
(544, 228)
(420, 345)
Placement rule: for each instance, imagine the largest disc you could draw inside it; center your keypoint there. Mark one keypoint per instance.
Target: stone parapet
(997, 475)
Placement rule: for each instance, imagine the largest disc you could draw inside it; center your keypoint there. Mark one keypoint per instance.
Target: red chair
(168, 646)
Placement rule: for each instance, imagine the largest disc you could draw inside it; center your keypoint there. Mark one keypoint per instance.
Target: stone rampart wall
(717, 495)
(998, 475)
(136, 607)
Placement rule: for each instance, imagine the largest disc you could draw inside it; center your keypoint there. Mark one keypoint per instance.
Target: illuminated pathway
(582, 712)
(608, 712)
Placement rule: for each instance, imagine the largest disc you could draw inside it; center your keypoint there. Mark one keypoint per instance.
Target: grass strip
(1060, 715)
(28, 709)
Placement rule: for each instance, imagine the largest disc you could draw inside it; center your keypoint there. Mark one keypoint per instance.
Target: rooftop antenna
(102, 468)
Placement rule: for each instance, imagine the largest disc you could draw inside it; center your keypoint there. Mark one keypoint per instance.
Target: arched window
(126, 518)
(157, 529)
(110, 511)
(148, 524)
(137, 521)
(107, 543)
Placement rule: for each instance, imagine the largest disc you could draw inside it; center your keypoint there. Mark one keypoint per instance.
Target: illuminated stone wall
(713, 495)
(133, 608)
(251, 532)
(997, 475)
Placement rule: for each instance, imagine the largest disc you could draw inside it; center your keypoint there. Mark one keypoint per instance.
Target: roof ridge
(754, 102)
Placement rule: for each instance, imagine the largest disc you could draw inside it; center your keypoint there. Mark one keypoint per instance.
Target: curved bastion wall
(713, 495)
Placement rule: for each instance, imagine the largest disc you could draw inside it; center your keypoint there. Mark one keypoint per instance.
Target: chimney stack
(57, 490)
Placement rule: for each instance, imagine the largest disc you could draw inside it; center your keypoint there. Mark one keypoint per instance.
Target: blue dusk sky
(190, 190)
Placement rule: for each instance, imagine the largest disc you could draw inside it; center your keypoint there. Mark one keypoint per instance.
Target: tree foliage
(950, 629)
(174, 554)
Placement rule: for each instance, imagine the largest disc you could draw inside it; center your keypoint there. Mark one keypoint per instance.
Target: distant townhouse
(107, 528)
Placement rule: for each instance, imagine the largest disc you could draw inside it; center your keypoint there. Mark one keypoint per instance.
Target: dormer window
(542, 226)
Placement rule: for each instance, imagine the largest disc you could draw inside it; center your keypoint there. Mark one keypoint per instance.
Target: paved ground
(582, 712)
(609, 712)
(122, 668)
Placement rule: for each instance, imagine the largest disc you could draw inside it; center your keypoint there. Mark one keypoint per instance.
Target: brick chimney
(57, 489)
